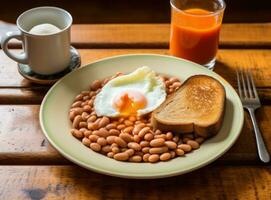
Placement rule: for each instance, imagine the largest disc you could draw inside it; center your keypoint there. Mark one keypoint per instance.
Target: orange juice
(194, 35)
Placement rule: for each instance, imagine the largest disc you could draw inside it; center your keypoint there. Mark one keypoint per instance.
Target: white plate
(56, 125)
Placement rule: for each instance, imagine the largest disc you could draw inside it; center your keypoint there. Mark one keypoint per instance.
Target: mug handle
(20, 58)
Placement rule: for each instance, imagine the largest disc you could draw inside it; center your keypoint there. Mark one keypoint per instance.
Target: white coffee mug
(45, 54)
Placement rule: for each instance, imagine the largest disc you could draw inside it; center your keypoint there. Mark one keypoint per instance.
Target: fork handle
(262, 151)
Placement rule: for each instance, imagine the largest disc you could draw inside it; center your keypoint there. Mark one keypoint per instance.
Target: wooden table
(32, 169)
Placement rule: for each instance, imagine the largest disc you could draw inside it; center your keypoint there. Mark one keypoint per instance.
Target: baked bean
(169, 136)
(95, 146)
(144, 144)
(87, 133)
(158, 150)
(145, 149)
(83, 124)
(165, 156)
(115, 149)
(95, 85)
(126, 137)
(90, 102)
(179, 152)
(97, 91)
(148, 136)
(106, 148)
(87, 108)
(76, 121)
(199, 140)
(78, 111)
(143, 131)
(185, 147)
(104, 121)
(139, 153)
(173, 79)
(130, 152)
(114, 132)
(93, 138)
(114, 145)
(186, 139)
(134, 145)
(176, 85)
(79, 97)
(121, 156)
(167, 83)
(157, 132)
(77, 104)
(91, 94)
(121, 126)
(146, 157)
(110, 154)
(153, 158)
(85, 116)
(132, 118)
(92, 118)
(171, 145)
(120, 142)
(136, 138)
(72, 115)
(128, 123)
(111, 139)
(102, 132)
(157, 142)
(111, 126)
(138, 128)
(172, 154)
(85, 93)
(137, 122)
(123, 149)
(101, 141)
(84, 103)
(76, 133)
(135, 158)
(85, 98)
(121, 119)
(193, 144)
(175, 138)
(163, 136)
(86, 141)
(92, 126)
(128, 129)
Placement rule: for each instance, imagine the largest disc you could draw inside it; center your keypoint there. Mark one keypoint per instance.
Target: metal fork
(250, 100)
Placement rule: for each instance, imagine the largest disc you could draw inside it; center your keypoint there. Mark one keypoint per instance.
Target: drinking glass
(195, 28)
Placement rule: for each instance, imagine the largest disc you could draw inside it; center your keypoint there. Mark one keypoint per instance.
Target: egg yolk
(128, 102)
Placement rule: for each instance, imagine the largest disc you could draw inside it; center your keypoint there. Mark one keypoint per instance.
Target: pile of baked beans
(130, 139)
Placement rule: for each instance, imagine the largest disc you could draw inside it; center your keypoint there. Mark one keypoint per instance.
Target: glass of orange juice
(195, 27)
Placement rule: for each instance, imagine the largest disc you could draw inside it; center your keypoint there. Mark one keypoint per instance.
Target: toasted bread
(197, 106)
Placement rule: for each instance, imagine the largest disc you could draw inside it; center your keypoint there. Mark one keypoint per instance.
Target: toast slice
(197, 106)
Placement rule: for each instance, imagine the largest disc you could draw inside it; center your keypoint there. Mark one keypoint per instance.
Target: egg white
(143, 80)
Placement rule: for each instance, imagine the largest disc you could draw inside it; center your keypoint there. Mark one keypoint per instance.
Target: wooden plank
(157, 35)
(228, 61)
(16, 89)
(22, 141)
(135, 11)
(70, 182)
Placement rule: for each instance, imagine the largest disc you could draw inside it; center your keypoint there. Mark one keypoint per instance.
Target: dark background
(134, 11)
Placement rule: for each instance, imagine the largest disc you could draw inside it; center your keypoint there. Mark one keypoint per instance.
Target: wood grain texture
(157, 35)
(134, 11)
(70, 182)
(228, 61)
(22, 141)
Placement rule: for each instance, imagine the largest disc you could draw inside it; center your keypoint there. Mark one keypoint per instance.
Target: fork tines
(246, 85)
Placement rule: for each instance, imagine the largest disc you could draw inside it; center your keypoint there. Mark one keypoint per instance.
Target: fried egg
(137, 93)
